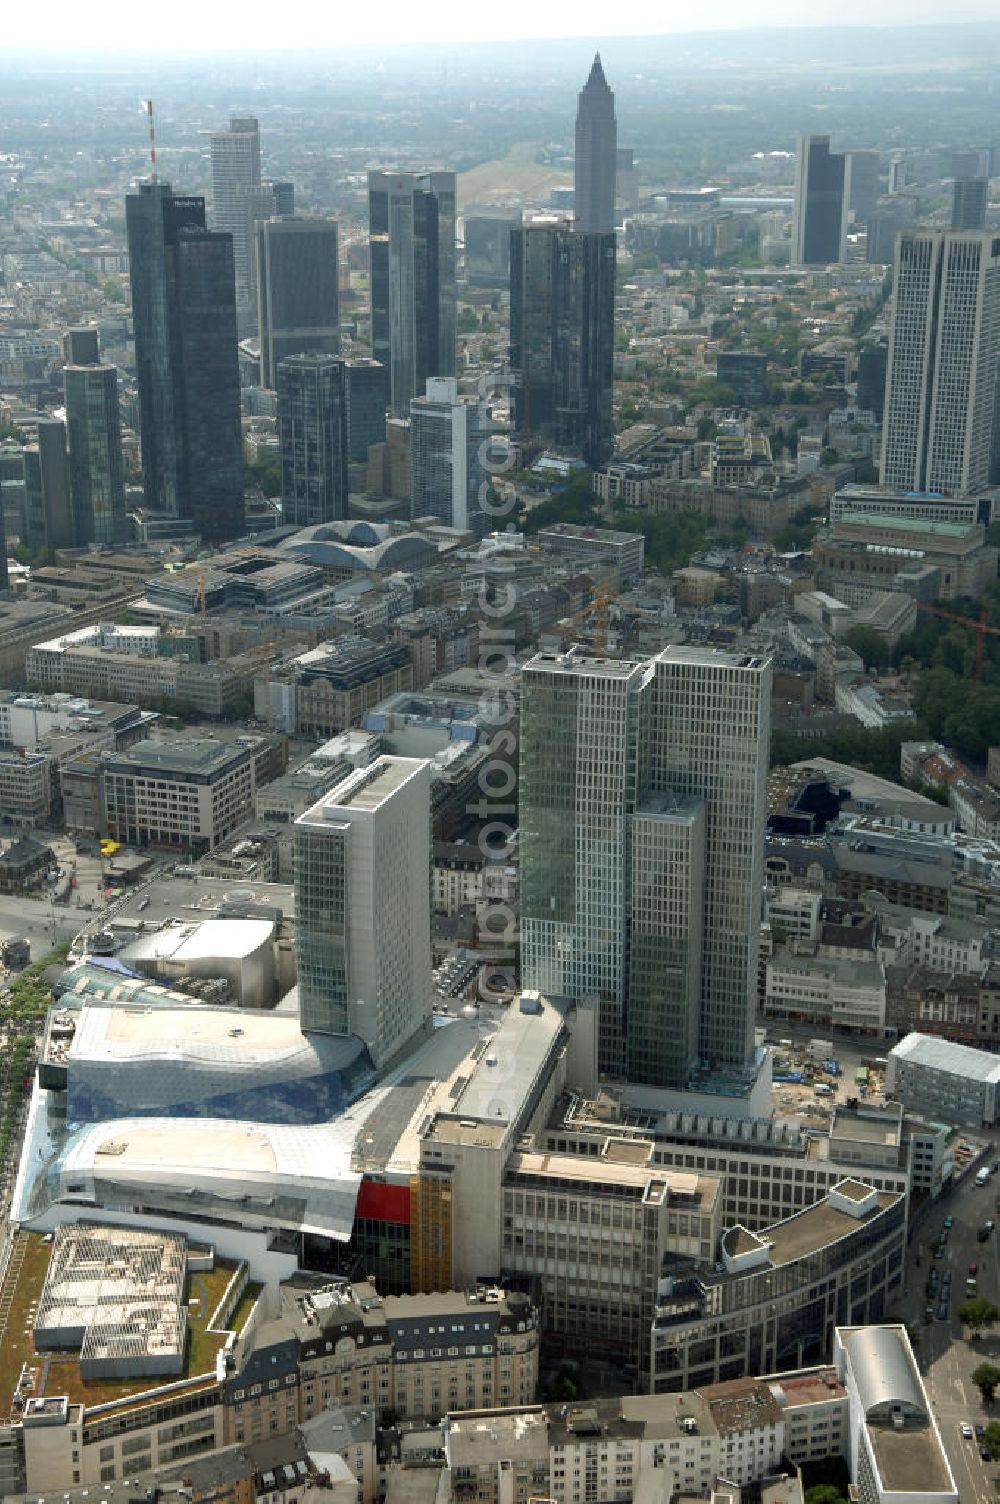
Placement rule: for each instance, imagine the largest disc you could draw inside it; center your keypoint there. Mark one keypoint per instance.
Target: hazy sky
(264, 25)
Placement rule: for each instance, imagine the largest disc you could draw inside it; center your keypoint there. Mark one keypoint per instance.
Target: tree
(824, 1493)
(869, 646)
(992, 1438)
(265, 472)
(977, 1314)
(986, 1377)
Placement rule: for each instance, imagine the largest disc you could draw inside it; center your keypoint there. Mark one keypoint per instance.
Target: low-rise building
(780, 1291)
(895, 1447)
(416, 1356)
(832, 991)
(625, 550)
(190, 793)
(25, 788)
(941, 1079)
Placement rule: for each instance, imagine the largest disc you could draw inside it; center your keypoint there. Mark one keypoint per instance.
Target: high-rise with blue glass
(184, 313)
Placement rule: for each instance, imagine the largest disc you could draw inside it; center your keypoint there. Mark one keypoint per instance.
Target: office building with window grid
(943, 348)
(312, 424)
(642, 811)
(362, 904)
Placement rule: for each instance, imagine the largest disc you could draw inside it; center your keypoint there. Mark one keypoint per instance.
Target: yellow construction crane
(266, 652)
(599, 606)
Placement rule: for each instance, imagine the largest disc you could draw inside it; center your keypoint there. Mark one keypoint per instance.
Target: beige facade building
(190, 793)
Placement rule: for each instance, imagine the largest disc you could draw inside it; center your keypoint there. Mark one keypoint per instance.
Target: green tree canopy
(977, 1314)
(986, 1377)
(869, 646)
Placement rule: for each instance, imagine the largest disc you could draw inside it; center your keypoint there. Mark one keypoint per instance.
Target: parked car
(942, 1311)
(966, 1430)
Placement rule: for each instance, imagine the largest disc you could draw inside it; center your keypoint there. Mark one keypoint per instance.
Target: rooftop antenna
(152, 138)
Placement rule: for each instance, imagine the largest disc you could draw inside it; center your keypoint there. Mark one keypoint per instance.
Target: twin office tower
(642, 808)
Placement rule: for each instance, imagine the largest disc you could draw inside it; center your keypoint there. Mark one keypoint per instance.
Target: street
(945, 1353)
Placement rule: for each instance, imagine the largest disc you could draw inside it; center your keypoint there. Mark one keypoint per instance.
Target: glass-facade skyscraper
(411, 226)
(367, 400)
(642, 803)
(821, 204)
(96, 471)
(184, 313)
(298, 299)
(48, 507)
(362, 906)
(596, 160)
(562, 331)
(312, 424)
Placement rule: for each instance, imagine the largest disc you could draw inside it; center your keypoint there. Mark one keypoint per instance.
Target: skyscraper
(269, 201)
(184, 312)
(235, 172)
(577, 789)
(596, 160)
(362, 906)
(96, 472)
(873, 360)
(411, 223)
(861, 169)
(312, 423)
(642, 809)
(298, 299)
(367, 400)
(706, 738)
(943, 350)
(446, 472)
(562, 328)
(48, 511)
(969, 197)
(820, 203)
(81, 346)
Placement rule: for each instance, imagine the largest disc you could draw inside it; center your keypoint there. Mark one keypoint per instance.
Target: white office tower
(235, 154)
(943, 350)
(362, 906)
(447, 479)
(643, 801)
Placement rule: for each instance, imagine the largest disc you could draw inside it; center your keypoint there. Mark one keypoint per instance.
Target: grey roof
(944, 1055)
(882, 1369)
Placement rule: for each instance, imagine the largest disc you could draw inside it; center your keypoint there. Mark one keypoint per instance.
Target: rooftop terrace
(59, 1372)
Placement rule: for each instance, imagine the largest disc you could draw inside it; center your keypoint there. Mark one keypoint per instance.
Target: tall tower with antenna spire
(596, 153)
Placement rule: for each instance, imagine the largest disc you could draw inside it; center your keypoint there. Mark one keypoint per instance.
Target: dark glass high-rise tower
(184, 313)
(969, 200)
(562, 328)
(596, 159)
(96, 472)
(411, 225)
(298, 306)
(312, 422)
(48, 511)
(821, 206)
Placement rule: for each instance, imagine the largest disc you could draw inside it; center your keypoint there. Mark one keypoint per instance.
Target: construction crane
(980, 627)
(599, 606)
(266, 652)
